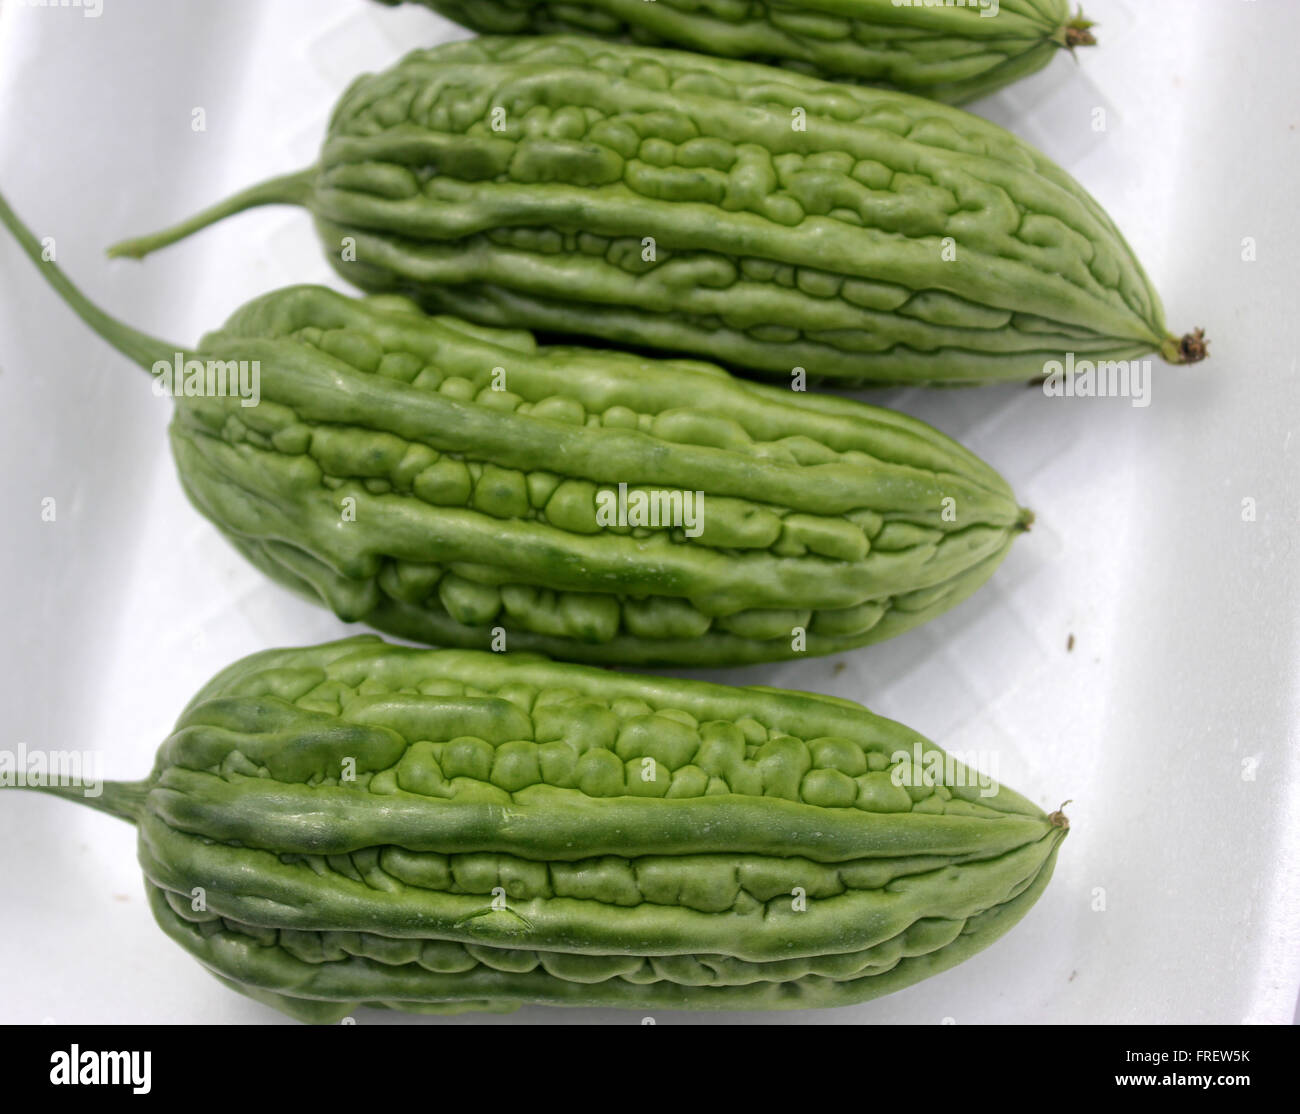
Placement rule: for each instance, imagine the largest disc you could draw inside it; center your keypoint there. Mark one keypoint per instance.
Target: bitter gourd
(459, 485)
(715, 208)
(440, 830)
(953, 53)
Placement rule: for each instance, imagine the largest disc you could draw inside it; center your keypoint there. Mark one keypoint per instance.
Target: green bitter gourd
(953, 52)
(758, 217)
(442, 831)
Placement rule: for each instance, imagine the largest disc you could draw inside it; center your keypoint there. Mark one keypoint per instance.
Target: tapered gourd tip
(1058, 819)
(1026, 519)
(1191, 349)
(1078, 32)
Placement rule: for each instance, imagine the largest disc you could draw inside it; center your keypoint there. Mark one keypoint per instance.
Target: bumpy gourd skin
(381, 474)
(438, 831)
(953, 54)
(474, 510)
(695, 205)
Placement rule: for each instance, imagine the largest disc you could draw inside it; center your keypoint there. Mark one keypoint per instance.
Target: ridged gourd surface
(718, 208)
(951, 52)
(445, 830)
(439, 480)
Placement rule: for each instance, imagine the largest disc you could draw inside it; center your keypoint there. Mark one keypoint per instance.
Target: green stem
(137, 346)
(290, 189)
(123, 799)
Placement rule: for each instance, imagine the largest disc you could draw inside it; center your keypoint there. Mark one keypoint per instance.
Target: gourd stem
(289, 189)
(135, 345)
(1078, 31)
(1190, 349)
(123, 799)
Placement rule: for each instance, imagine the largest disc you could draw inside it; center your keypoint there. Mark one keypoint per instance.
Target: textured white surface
(1172, 724)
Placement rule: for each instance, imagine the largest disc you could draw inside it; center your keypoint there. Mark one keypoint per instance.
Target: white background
(1175, 898)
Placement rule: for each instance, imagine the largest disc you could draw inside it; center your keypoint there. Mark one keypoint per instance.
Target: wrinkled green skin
(952, 54)
(351, 810)
(382, 475)
(892, 240)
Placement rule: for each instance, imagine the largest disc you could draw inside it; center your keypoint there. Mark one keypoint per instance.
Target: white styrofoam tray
(1172, 723)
